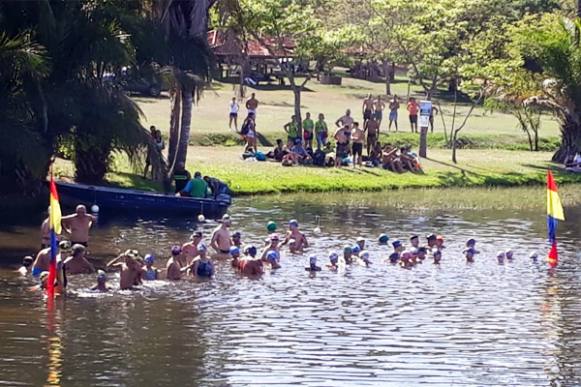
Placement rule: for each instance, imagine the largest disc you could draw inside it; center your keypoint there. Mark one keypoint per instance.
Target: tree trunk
(454, 146)
(184, 141)
(570, 140)
(299, 118)
(387, 74)
(423, 142)
(174, 129)
(536, 139)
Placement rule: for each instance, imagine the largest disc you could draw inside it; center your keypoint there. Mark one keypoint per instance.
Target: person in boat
(181, 177)
(173, 266)
(26, 265)
(217, 187)
(202, 266)
(237, 239)
(221, 239)
(78, 225)
(77, 263)
(196, 188)
(101, 285)
(189, 249)
(333, 264)
(130, 268)
(149, 272)
(295, 234)
(42, 261)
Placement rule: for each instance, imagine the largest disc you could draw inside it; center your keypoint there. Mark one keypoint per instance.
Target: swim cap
(347, 250)
(533, 255)
(500, 254)
(148, 259)
(196, 234)
(237, 234)
(272, 256)
(414, 237)
(470, 241)
(396, 243)
(234, 251)
(202, 248)
(383, 239)
(355, 249)
(271, 226)
(293, 223)
(440, 238)
(431, 237)
(175, 250)
(360, 239)
(333, 257)
(364, 255)
(508, 252)
(27, 261)
(102, 276)
(250, 250)
(64, 245)
(313, 259)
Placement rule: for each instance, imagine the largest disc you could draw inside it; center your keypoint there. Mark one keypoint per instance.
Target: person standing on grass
(432, 112)
(367, 109)
(308, 128)
(393, 108)
(372, 134)
(233, 107)
(358, 137)
(345, 120)
(150, 150)
(292, 131)
(321, 131)
(252, 105)
(248, 132)
(413, 109)
(378, 111)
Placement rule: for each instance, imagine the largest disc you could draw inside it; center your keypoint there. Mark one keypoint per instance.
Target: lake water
(464, 324)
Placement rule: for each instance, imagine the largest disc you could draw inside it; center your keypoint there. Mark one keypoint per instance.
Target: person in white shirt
(233, 114)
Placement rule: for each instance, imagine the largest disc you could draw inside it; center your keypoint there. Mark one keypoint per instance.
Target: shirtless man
(378, 113)
(390, 160)
(221, 240)
(342, 136)
(130, 270)
(78, 225)
(173, 267)
(372, 130)
(367, 109)
(295, 234)
(42, 261)
(237, 239)
(190, 249)
(393, 112)
(202, 266)
(252, 104)
(358, 137)
(101, 285)
(77, 263)
(345, 120)
(248, 264)
(272, 245)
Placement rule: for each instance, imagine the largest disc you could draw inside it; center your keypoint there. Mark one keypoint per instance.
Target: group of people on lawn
(350, 138)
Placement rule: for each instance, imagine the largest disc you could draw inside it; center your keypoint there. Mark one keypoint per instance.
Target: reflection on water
(477, 324)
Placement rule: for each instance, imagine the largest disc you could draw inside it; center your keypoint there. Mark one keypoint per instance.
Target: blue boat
(110, 200)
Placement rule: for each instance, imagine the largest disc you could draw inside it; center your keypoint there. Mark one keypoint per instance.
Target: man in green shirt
(321, 131)
(308, 126)
(196, 188)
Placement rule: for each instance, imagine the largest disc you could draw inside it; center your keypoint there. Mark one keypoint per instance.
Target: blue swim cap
(202, 248)
(272, 256)
(234, 251)
(333, 257)
(293, 223)
(383, 239)
(365, 255)
(313, 259)
(396, 243)
(148, 259)
(355, 249)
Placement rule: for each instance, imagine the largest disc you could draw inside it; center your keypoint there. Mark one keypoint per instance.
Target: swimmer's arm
(305, 241)
(286, 239)
(115, 261)
(339, 122)
(214, 241)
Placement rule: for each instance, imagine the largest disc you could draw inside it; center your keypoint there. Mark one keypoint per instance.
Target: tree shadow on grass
(278, 87)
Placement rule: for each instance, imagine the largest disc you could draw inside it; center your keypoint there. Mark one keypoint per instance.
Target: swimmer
(469, 254)
(509, 255)
(235, 254)
(78, 225)
(333, 262)
(202, 267)
(130, 269)
(406, 260)
(101, 282)
(421, 256)
(237, 239)
(293, 247)
(534, 256)
(500, 257)
(355, 250)
(77, 263)
(150, 272)
(173, 267)
(221, 240)
(437, 256)
(26, 264)
(313, 264)
(431, 238)
(250, 251)
(363, 259)
(272, 245)
(415, 241)
(348, 255)
(294, 233)
(190, 249)
(471, 243)
(383, 239)
(361, 243)
(42, 261)
(440, 242)
(397, 249)
(273, 257)
(249, 265)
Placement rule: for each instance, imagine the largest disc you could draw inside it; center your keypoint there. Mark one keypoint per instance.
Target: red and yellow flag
(54, 221)
(554, 214)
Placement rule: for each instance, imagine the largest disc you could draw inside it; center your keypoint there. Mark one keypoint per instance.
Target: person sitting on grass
(279, 151)
(410, 159)
(196, 188)
(390, 159)
(374, 159)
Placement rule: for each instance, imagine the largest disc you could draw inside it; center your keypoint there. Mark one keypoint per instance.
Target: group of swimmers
(195, 259)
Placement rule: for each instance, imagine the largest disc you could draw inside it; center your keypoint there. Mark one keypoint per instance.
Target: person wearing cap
(149, 272)
(173, 266)
(363, 258)
(101, 285)
(26, 264)
(500, 257)
(406, 260)
(130, 269)
(248, 264)
(202, 266)
(333, 264)
(469, 253)
(190, 249)
(415, 241)
(312, 264)
(78, 225)
(221, 239)
(440, 242)
(195, 188)
(471, 243)
(77, 263)
(293, 247)
(437, 256)
(42, 261)
(294, 233)
(431, 238)
(534, 256)
(237, 239)
(355, 250)
(361, 243)
(272, 245)
(395, 256)
(420, 254)
(235, 255)
(383, 239)
(347, 255)
(509, 255)
(273, 258)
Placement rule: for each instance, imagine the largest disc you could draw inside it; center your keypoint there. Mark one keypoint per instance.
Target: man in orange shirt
(413, 109)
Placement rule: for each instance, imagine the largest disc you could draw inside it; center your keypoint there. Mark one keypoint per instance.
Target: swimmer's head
(234, 252)
(500, 255)
(347, 250)
(355, 249)
(396, 244)
(422, 251)
(78, 250)
(101, 276)
(414, 239)
(27, 261)
(312, 260)
(440, 240)
(274, 238)
(471, 242)
(43, 277)
(226, 220)
(81, 209)
(64, 245)
(250, 250)
(431, 238)
(333, 258)
(293, 223)
(149, 259)
(272, 256)
(534, 256)
(196, 236)
(364, 255)
(237, 235)
(202, 248)
(292, 243)
(508, 254)
(176, 250)
(271, 227)
(406, 255)
(383, 239)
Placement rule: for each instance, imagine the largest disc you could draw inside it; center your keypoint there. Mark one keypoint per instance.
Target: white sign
(425, 113)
